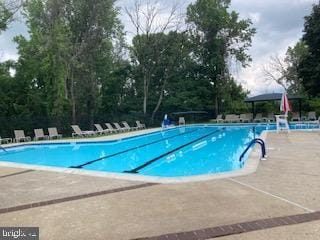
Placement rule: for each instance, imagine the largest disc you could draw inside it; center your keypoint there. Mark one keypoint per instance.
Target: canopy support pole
(300, 113)
(252, 107)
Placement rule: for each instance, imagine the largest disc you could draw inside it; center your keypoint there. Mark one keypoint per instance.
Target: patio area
(283, 194)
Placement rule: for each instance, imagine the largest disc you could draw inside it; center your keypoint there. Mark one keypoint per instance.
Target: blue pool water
(183, 151)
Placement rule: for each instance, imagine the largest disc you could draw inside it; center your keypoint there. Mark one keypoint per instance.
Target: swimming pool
(177, 152)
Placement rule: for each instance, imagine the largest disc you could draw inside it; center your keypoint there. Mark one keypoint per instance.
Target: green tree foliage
(93, 25)
(5, 15)
(218, 35)
(68, 54)
(75, 67)
(285, 71)
(162, 59)
(309, 69)
(8, 9)
(294, 57)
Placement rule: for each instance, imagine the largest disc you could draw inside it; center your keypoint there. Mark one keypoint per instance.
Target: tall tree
(43, 57)
(69, 53)
(218, 35)
(93, 26)
(285, 71)
(148, 21)
(309, 69)
(166, 57)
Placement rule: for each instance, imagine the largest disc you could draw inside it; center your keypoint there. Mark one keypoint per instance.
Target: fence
(29, 123)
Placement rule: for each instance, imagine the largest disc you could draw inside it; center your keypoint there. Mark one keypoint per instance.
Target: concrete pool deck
(69, 206)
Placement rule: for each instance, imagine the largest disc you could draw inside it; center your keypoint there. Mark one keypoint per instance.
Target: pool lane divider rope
(136, 170)
(130, 149)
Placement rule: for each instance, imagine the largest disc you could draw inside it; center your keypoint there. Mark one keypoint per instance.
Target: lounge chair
(230, 118)
(270, 118)
(39, 135)
(19, 136)
(100, 130)
(182, 121)
(111, 128)
(295, 116)
(246, 117)
(258, 118)
(78, 132)
(121, 129)
(124, 123)
(5, 140)
(219, 119)
(53, 133)
(312, 116)
(140, 125)
(125, 126)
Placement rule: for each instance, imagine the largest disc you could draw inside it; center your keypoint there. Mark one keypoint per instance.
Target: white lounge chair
(111, 128)
(295, 116)
(312, 116)
(182, 121)
(19, 136)
(53, 133)
(39, 135)
(258, 118)
(100, 130)
(219, 119)
(78, 132)
(121, 129)
(5, 140)
(140, 125)
(246, 117)
(270, 118)
(232, 118)
(124, 123)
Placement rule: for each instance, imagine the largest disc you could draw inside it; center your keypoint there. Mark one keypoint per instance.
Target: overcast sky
(279, 24)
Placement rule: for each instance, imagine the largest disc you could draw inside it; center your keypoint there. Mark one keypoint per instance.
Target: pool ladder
(254, 141)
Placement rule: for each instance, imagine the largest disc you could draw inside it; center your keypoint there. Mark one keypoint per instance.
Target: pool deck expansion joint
(73, 198)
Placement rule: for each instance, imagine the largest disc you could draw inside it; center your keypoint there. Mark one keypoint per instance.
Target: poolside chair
(53, 133)
(124, 123)
(5, 140)
(218, 119)
(231, 118)
(312, 116)
(270, 118)
(125, 126)
(78, 132)
(111, 128)
(258, 118)
(182, 121)
(39, 135)
(140, 125)
(100, 130)
(19, 136)
(119, 128)
(246, 117)
(295, 116)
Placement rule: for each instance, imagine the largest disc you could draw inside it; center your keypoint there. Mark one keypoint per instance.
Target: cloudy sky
(279, 24)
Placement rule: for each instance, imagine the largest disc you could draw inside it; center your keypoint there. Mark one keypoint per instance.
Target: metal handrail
(254, 141)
